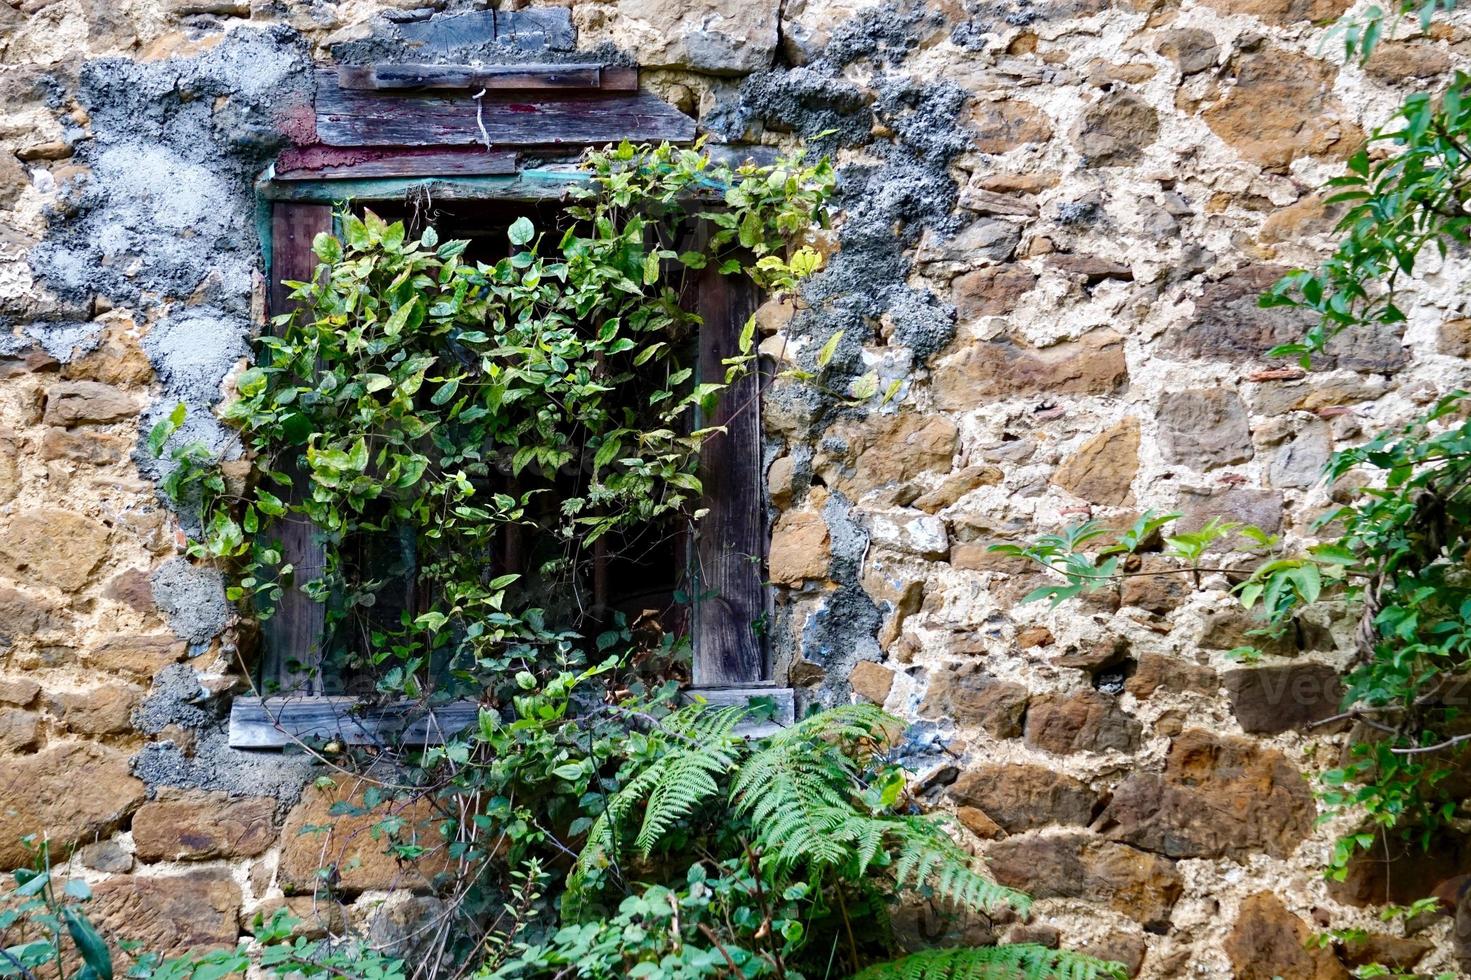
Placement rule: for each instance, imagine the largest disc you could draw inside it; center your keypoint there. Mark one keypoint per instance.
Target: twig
(1437, 747)
(709, 934)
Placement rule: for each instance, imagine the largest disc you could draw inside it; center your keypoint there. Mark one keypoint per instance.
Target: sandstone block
(353, 853)
(1270, 943)
(103, 710)
(1283, 12)
(71, 791)
(860, 457)
(136, 656)
(957, 485)
(909, 533)
(198, 826)
(1159, 585)
(1190, 48)
(1084, 721)
(71, 403)
(1141, 886)
(22, 615)
(800, 548)
(170, 915)
(975, 699)
(83, 446)
(1115, 130)
(1007, 124)
(992, 291)
(20, 730)
(712, 36)
(19, 691)
(871, 681)
(1025, 797)
(979, 373)
(1101, 470)
(55, 546)
(1281, 107)
(1269, 700)
(1158, 671)
(1219, 796)
(1229, 325)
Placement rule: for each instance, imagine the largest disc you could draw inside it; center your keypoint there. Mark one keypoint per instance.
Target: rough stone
(1159, 584)
(170, 915)
(1142, 886)
(107, 856)
(1299, 462)
(957, 485)
(1233, 628)
(1120, 947)
(83, 446)
(1245, 505)
(1190, 48)
(355, 856)
(1268, 942)
(1395, 952)
(102, 710)
(986, 239)
(1279, 107)
(1397, 62)
(1024, 797)
(704, 35)
(1101, 470)
(88, 402)
(871, 681)
(1269, 700)
(132, 588)
(978, 374)
(1203, 428)
(19, 691)
(1115, 130)
(56, 546)
(20, 730)
(1084, 721)
(975, 699)
(22, 614)
(1158, 671)
(888, 450)
(1219, 796)
(199, 826)
(1284, 12)
(992, 291)
(1229, 325)
(978, 823)
(910, 533)
(1007, 124)
(138, 656)
(70, 791)
(801, 547)
(118, 359)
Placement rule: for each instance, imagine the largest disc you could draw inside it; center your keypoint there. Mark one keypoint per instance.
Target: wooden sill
(278, 722)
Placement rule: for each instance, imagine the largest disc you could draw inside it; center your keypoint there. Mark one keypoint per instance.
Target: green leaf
(825, 356)
(93, 949)
(521, 231)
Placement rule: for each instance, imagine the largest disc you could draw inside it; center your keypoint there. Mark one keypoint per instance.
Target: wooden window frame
(730, 665)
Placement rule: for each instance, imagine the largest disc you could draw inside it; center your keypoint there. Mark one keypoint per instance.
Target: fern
(929, 859)
(1019, 961)
(680, 778)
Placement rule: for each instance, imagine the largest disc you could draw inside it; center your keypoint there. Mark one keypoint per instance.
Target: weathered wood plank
(347, 117)
(386, 77)
(274, 723)
(293, 635)
(730, 539)
(356, 163)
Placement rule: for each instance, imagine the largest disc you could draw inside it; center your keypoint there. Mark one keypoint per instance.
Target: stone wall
(1056, 219)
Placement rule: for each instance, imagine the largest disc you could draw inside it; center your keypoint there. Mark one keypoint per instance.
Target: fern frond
(929, 859)
(1018, 961)
(702, 745)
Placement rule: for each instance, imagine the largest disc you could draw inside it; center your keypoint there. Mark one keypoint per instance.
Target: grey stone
(1300, 460)
(1115, 130)
(1204, 428)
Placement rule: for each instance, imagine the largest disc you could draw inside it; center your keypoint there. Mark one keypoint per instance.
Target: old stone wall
(1056, 218)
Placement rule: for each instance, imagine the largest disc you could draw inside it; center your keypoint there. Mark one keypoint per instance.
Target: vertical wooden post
(730, 540)
(293, 636)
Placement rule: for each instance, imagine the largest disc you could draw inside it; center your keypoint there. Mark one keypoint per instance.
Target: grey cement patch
(177, 699)
(193, 599)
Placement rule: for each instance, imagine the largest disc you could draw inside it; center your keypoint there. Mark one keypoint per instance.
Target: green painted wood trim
(535, 184)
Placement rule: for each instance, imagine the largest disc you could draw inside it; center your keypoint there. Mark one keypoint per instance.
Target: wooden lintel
(388, 77)
(275, 723)
(499, 120)
(337, 163)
